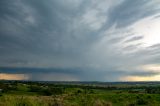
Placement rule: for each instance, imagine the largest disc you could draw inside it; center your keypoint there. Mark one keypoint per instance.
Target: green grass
(101, 98)
(24, 95)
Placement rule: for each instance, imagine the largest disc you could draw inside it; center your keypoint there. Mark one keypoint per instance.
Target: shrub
(141, 101)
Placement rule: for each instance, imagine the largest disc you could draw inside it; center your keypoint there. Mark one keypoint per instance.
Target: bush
(34, 88)
(141, 101)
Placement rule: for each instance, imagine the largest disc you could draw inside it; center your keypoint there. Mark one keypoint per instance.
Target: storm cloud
(91, 40)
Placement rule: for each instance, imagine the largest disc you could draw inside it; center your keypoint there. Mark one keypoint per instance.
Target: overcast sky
(80, 40)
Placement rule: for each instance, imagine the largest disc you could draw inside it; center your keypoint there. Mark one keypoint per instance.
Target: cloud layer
(105, 40)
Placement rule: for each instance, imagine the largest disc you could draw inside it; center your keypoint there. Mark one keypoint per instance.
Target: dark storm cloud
(129, 11)
(39, 28)
(37, 73)
(80, 74)
(72, 37)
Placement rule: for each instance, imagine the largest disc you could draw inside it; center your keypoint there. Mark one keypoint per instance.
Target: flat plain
(26, 93)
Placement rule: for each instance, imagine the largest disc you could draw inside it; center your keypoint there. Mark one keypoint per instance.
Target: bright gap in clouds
(152, 67)
(141, 78)
(149, 28)
(5, 76)
(146, 68)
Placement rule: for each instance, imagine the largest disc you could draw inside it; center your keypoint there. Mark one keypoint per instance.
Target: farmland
(26, 93)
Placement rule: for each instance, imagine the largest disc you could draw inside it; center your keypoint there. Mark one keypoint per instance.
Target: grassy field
(46, 94)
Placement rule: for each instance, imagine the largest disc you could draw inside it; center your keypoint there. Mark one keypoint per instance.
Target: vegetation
(22, 93)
